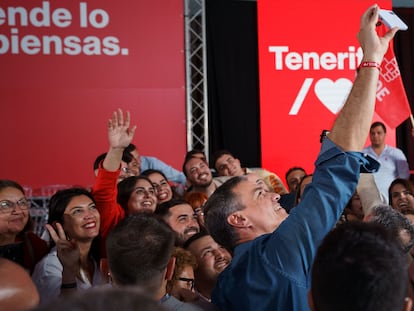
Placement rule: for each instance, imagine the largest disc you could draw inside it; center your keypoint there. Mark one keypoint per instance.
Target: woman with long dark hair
(73, 261)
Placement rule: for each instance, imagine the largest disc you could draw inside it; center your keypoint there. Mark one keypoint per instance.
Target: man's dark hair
(130, 148)
(217, 155)
(218, 207)
(139, 249)
(105, 298)
(191, 155)
(195, 237)
(163, 209)
(360, 267)
(98, 160)
(125, 189)
(375, 124)
(127, 156)
(292, 169)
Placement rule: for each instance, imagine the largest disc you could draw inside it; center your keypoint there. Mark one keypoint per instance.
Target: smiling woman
(136, 194)
(161, 185)
(17, 242)
(72, 263)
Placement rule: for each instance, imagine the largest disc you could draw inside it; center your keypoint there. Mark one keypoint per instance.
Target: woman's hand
(67, 252)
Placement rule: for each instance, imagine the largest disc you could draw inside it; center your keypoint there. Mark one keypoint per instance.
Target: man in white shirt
(393, 161)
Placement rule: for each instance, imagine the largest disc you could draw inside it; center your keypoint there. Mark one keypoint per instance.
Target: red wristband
(369, 65)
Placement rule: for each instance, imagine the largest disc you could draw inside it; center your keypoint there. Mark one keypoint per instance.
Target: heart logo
(333, 94)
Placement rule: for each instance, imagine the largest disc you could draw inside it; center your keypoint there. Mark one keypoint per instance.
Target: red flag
(392, 103)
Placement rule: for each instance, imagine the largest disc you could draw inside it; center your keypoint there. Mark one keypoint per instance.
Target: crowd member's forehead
(296, 172)
(377, 129)
(194, 161)
(399, 185)
(11, 192)
(143, 183)
(183, 208)
(223, 158)
(203, 242)
(255, 179)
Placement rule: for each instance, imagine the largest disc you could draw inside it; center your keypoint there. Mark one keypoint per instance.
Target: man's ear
(408, 304)
(170, 269)
(310, 300)
(238, 220)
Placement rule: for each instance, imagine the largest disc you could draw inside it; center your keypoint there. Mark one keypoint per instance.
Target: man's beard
(181, 238)
(204, 184)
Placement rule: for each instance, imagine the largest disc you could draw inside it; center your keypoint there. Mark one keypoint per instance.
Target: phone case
(390, 19)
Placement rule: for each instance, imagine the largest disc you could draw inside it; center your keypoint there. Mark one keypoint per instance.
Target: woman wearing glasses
(72, 263)
(17, 242)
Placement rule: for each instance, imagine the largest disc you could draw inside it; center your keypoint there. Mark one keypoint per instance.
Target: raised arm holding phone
(273, 251)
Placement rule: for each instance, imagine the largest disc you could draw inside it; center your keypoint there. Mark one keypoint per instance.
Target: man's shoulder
(148, 162)
(257, 170)
(261, 172)
(150, 159)
(392, 148)
(174, 304)
(367, 148)
(221, 180)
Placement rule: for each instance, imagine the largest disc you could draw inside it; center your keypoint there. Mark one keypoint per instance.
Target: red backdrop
(308, 54)
(57, 97)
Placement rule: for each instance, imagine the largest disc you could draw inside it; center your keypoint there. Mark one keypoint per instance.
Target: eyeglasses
(125, 173)
(7, 206)
(126, 170)
(190, 282)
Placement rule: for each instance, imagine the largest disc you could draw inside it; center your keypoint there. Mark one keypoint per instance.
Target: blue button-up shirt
(272, 272)
(171, 173)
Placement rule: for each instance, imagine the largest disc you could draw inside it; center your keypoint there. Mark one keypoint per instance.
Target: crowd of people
(149, 237)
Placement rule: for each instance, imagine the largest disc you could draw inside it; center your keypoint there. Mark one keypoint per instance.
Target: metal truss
(196, 75)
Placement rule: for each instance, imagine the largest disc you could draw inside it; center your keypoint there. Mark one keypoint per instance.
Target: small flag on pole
(391, 104)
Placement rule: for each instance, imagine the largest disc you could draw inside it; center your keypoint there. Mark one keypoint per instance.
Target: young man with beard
(199, 175)
(179, 215)
(212, 259)
(226, 164)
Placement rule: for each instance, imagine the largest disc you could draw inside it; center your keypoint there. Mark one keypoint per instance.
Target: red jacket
(105, 191)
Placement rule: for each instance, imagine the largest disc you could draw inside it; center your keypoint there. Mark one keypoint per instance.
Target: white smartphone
(390, 19)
